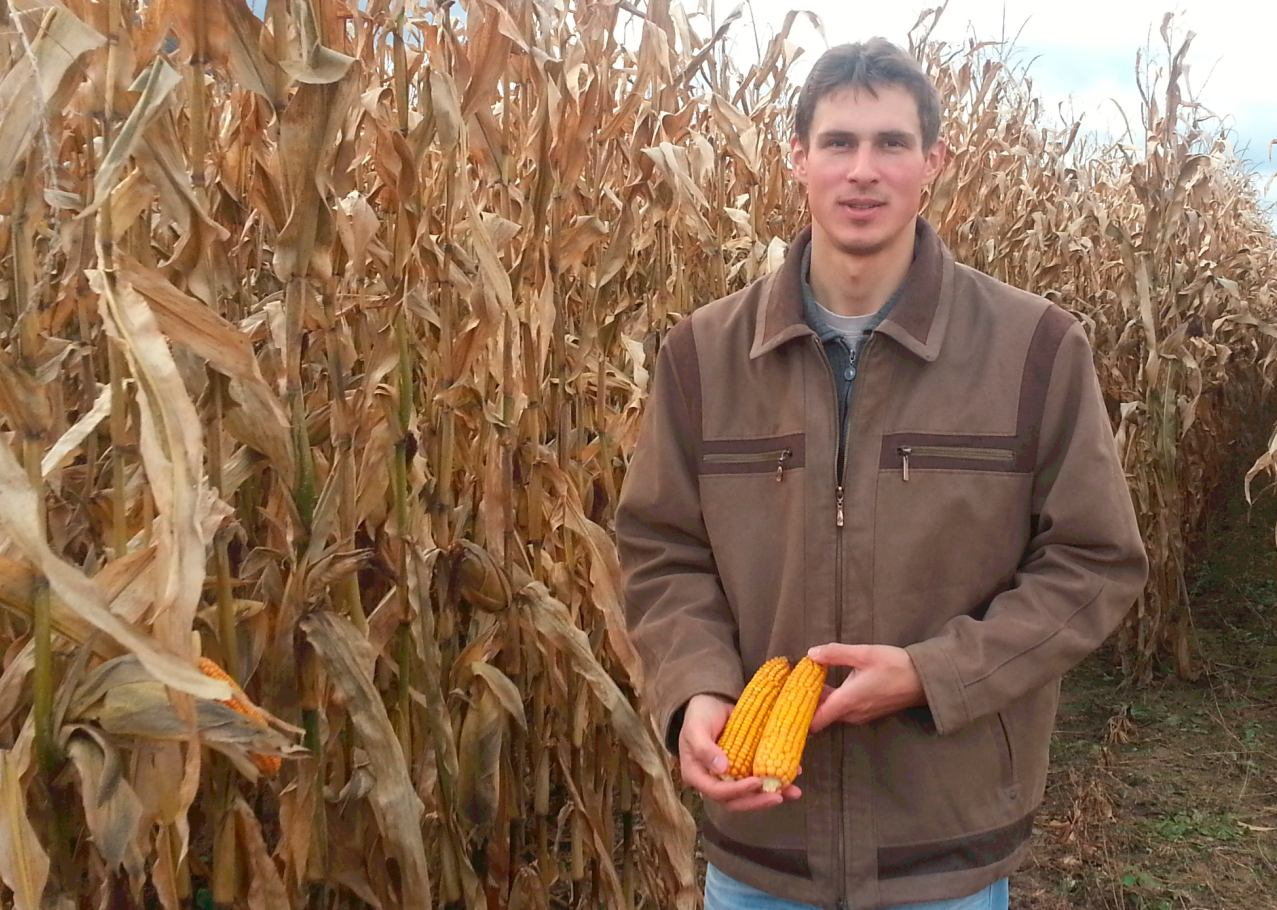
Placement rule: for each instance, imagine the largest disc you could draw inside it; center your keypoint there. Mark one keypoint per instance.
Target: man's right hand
(702, 761)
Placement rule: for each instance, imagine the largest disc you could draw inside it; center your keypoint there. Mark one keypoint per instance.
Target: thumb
(704, 749)
(829, 710)
(836, 654)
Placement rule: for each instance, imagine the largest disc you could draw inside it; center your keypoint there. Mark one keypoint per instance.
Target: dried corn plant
(326, 338)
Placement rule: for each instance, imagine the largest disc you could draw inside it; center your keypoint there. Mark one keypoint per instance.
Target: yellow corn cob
(745, 725)
(781, 748)
(267, 764)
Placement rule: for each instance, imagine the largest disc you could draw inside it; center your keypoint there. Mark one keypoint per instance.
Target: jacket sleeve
(675, 608)
(1083, 568)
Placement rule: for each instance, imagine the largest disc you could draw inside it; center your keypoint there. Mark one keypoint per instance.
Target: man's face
(864, 167)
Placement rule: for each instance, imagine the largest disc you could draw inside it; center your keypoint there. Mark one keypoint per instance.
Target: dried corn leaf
(602, 849)
(349, 663)
(266, 889)
(552, 620)
(24, 864)
(483, 733)
(75, 435)
(111, 807)
(307, 144)
(155, 85)
(171, 446)
(313, 63)
(27, 96)
(19, 517)
(185, 321)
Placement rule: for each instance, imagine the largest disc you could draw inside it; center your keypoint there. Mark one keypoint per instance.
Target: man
(904, 468)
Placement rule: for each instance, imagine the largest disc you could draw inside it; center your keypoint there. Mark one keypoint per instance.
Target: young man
(900, 466)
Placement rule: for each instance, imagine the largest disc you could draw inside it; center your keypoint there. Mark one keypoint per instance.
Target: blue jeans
(723, 892)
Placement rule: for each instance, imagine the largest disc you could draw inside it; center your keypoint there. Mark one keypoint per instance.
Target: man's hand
(883, 681)
(702, 761)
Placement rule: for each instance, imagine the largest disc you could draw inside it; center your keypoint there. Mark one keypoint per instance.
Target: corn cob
(238, 702)
(785, 735)
(739, 739)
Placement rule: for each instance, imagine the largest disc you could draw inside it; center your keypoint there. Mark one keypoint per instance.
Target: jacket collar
(917, 320)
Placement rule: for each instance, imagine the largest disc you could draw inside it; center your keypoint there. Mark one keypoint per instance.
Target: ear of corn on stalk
(744, 729)
(785, 734)
(267, 764)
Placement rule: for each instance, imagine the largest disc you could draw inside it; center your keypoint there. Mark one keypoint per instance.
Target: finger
(837, 654)
(755, 802)
(764, 800)
(712, 787)
(825, 691)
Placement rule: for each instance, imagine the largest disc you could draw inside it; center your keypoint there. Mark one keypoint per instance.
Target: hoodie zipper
(839, 522)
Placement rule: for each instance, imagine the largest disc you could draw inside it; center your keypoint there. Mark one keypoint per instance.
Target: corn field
(326, 338)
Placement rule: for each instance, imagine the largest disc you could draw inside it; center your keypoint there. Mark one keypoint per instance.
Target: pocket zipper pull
(905, 452)
(780, 464)
(838, 511)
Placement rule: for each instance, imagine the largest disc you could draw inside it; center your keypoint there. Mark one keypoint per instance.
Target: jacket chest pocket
(769, 455)
(950, 521)
(911, 452)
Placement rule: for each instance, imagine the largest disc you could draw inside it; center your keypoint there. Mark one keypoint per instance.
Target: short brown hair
(869, 65)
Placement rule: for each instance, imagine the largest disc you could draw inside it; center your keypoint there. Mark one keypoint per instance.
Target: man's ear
(937, 157)
(798, 157)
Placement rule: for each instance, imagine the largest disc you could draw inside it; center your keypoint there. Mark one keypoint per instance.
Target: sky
(1082, 52)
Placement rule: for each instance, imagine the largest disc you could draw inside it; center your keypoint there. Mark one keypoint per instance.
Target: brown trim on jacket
(955, 855)
(789, 862)
(769, 454)
(1038, 364)
(687, 367)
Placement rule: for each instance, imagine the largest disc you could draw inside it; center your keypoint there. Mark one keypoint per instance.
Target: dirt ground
(1165, 798)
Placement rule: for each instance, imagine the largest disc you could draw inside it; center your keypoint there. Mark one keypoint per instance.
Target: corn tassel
(785, 735)
(744, 729)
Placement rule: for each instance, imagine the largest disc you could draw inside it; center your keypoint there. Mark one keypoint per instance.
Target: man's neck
(857, 285)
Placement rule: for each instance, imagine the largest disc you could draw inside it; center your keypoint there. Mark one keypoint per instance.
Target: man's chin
(860, 246)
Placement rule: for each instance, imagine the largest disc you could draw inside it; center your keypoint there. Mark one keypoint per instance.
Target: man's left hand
(883, 680)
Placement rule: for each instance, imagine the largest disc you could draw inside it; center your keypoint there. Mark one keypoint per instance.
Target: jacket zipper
(840, 465)
(778, 455)
(970, 454)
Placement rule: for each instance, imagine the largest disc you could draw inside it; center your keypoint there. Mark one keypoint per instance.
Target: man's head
(866, 142)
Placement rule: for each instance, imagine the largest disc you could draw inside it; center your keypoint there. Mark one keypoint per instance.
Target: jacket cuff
(674, 702)
(943, 687)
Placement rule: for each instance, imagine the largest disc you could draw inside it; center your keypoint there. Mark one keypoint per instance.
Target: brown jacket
(983, 523)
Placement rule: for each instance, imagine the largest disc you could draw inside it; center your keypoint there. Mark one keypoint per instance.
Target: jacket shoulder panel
(1005, 300)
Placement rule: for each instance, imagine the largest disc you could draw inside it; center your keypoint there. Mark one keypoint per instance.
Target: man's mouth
(862, 204)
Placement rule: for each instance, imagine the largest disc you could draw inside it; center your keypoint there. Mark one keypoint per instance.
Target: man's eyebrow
(894, 135)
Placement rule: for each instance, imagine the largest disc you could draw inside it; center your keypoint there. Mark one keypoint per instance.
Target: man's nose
(862, 165)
